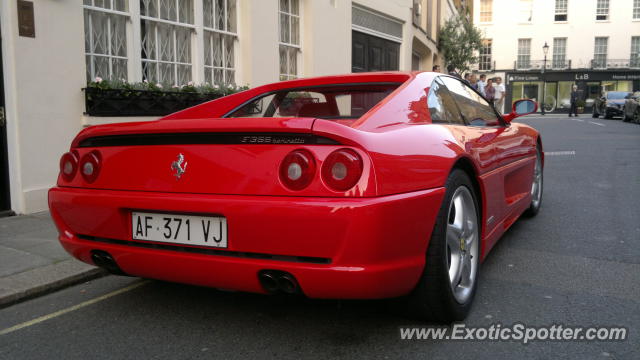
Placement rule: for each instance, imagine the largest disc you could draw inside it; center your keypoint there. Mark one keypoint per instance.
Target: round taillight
(297, 169)
(68, 166)
(90, 166)
(342, 169)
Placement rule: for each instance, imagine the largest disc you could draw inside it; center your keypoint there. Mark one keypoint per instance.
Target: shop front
(554, 87)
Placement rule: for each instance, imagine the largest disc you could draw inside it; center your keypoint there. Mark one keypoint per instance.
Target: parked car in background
(631, 109)
(610, 104)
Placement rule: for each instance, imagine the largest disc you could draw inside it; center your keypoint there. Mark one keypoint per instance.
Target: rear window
(326, 102)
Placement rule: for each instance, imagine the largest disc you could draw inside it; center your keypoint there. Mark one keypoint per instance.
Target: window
(526, 11)
(561, 10)
(635, 52)
(337, 102)
(600, 53)
(442, 107)
(105, 41)
(486, 11)
(289, 38)
(636, 9)
(166, 28)
(220, 34)
(485, 55)
(475, 109)
(559, 53)
(524, 54)
(602, 10)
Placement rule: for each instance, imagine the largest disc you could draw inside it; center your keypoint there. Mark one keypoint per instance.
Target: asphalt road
(577, 264)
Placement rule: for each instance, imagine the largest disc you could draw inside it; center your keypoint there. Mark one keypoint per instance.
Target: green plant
(459, 41)
(189, 87)
(580, 103)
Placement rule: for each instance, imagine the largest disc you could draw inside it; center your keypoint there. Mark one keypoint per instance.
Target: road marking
(595, 123)
(559, 153)
(580, 120)
(72, 308)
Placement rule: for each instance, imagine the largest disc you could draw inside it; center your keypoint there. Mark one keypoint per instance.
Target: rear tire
(536, 187)
(448, 283)
(636, 116)
(625, 118)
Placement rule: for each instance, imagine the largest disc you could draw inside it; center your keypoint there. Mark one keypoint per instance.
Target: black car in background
(631, 110)
(610, 104)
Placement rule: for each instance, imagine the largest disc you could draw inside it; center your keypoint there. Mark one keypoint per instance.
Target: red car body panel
(370, 240)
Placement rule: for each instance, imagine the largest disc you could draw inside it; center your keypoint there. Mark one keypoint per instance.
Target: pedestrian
(500, 95)
(474, 81)
(436, 68)
(490, 91)
(467, 78)
(574, 101)
(452, 71)
(482, 83)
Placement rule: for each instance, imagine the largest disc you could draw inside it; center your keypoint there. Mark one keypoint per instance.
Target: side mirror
(520, 108)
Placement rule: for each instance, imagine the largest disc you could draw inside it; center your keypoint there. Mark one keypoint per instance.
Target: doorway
(371, 53)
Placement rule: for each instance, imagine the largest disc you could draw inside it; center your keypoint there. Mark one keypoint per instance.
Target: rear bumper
(335, 247)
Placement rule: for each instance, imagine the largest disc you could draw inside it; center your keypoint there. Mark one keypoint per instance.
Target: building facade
(594, 44)
(52, 48)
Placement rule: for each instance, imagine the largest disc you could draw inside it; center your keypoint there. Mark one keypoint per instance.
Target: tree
(460, 41)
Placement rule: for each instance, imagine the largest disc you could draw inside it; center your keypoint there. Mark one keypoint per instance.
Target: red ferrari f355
(370, 185)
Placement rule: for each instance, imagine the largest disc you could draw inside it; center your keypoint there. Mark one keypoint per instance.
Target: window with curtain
(166, 30)
(220, 36)
(635, 51)
(289, 26)
(559, 53)
(600, 52)
(524, 54)
(105, 40)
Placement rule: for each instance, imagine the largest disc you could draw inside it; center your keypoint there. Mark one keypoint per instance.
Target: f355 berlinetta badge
(178, 167)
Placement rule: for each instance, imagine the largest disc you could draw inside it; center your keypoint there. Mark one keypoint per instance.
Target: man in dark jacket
(452, 71)
(574, 101)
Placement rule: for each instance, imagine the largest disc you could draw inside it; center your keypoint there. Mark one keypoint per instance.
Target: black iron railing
(125, 102)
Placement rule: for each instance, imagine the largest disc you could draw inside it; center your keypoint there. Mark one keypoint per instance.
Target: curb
(40, 281)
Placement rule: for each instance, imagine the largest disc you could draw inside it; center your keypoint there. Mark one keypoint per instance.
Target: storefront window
(564, 95)
(550, 97)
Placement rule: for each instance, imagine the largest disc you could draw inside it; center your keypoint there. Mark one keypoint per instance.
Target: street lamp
(545, 50)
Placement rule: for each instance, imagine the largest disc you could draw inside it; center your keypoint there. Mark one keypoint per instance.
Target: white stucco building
(592, 43)
(51, 48)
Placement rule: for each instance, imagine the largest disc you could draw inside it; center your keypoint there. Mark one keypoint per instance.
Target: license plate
(180, 229)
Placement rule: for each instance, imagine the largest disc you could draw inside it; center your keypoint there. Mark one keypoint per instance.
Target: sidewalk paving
(32, 261)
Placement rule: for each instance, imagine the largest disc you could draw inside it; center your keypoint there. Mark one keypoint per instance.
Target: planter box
(121, 102)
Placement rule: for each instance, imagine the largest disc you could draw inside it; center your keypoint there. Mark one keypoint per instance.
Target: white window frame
(561, 8)
(597, 51)
(175, 27)
(92, 11)
(602, 10)
(486, 11)
(634, 57)
(559, 55)
(225, 35)
(485, 62)
(636, 10)
(291, 49)
(523, 60)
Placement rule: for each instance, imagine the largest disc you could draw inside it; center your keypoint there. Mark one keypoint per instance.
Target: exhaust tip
(104, 260)
(274, 281)
(288, 284)
(268, 281)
